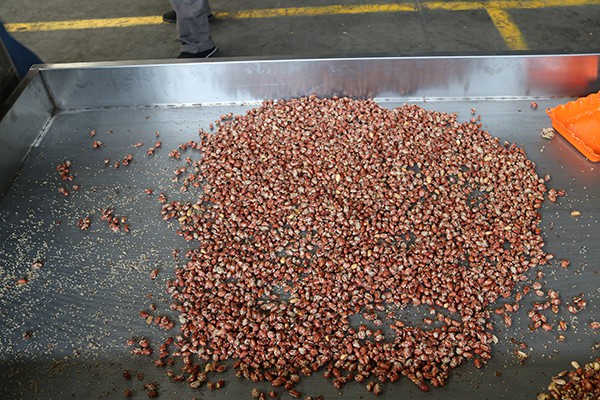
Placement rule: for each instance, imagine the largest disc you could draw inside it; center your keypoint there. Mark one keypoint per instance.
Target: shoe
(202, 54)
(171, 17)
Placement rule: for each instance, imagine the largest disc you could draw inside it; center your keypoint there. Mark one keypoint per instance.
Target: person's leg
(171, 16)
(192, 27)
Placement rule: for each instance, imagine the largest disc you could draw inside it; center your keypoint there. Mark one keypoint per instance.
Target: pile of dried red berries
(578, 384)
(317, 211)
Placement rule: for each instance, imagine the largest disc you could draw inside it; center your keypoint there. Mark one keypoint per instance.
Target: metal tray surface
(83, 304)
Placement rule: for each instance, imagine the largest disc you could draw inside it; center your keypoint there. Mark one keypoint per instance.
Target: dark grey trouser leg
(192, 25)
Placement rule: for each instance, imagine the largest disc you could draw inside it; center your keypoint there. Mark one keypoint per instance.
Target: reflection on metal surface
(20, 128)
(177, 83)
(579, 75)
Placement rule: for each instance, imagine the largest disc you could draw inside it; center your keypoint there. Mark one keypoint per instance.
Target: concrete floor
(429, 27)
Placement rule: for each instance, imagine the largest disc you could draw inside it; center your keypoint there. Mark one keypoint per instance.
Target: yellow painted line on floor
(321, 10)
(303, 12)
(246, 14)
(453, 5)
(534, 4)
(495, 8)
(508, 4)
(508, 29)
(82, 24)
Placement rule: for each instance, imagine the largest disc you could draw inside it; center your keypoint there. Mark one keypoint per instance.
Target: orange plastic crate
(579, 122)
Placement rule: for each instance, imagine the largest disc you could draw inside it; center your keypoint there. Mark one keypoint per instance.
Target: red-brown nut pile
(315, 210)
(578, 384)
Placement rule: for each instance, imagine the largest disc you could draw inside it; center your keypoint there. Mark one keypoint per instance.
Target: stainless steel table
(83, 304)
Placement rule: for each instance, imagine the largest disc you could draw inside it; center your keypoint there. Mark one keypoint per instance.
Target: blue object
(22, 57)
